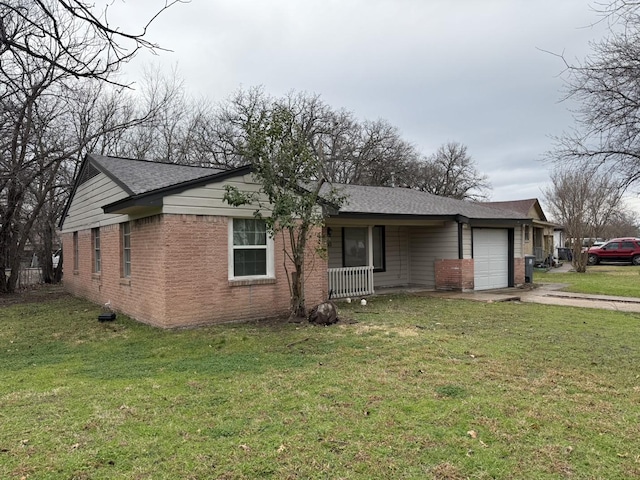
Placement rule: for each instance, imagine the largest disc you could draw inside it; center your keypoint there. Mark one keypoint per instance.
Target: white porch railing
(351, 281)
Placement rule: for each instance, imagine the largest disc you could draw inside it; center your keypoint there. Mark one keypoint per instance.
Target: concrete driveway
(548, 294)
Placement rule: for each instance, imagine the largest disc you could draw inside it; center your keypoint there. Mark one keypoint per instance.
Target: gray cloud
(472, 71)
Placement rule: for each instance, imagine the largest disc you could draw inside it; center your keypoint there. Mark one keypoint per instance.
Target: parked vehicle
(616, 250)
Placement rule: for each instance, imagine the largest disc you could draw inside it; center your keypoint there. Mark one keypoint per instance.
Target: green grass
(620, 280)
(406, 387)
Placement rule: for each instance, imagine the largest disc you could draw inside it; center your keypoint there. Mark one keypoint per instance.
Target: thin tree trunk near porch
(298, 307)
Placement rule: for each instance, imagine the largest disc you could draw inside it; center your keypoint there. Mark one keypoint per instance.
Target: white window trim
(97, 250)
(270, 258)
(123, 257)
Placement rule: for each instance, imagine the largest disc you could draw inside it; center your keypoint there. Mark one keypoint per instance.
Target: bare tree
(48, 120)
(605, 87)
(583, 200)
(369, 152)
(622, 223)
(55, 58)
(450, 172)
(382, 156)
(70, 36)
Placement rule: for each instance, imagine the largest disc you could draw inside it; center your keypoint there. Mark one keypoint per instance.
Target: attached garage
(491, 258)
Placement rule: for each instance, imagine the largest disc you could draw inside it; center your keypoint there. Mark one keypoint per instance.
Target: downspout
(460, 220)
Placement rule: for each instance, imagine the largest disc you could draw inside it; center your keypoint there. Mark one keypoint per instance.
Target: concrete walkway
(548, 294)
(545, 293)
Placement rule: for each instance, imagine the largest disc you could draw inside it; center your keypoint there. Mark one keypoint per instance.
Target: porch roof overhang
(436, 219)
(543, 224)
(506, 222)
(396, 217)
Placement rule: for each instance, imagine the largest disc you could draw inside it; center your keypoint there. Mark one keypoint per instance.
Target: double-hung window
(125, 230)
(97, 263)
(251, 249)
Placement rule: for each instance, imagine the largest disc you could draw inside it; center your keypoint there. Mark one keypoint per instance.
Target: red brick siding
(518, 267)
(140, 296)
(454, 274)
(179, 274)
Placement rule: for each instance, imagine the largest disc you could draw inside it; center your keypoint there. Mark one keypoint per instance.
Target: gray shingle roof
(521, 206)
(404, 201)
(143, 176)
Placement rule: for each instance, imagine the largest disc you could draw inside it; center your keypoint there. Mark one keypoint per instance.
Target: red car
(616, 250)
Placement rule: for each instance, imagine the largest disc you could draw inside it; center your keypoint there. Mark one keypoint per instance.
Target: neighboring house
(559, 251)
(538, 238)
(157, 242)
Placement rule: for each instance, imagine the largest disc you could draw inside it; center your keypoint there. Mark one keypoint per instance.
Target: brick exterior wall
(454, 274)
(179, 274)
(518, 271)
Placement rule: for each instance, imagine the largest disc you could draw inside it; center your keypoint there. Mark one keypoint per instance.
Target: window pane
(378, 248)
(248, 231)
(126, 249)
(76, 251)
(249, 261)
(96, 250)
(355, 246)
(126, 234)
(127, 263)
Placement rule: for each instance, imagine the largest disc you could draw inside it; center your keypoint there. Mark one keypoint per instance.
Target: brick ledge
(252, 281)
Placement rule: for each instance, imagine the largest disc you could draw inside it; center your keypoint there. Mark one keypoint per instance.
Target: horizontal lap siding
(426, 245)
(518, 251)
(467, 248)
(85, 210)
(334, 247)
(209, 200)
(397, 258)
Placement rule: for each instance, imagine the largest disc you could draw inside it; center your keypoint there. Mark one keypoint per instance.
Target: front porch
(370, 259)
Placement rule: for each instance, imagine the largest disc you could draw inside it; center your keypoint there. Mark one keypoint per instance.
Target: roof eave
(479, 222)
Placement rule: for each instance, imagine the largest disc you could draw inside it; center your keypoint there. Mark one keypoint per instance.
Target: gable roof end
(146, 182)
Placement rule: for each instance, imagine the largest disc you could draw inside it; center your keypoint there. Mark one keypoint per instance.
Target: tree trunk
(298, 307)
(579, 260)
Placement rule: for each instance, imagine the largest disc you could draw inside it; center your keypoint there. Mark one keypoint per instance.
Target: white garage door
(490, 258)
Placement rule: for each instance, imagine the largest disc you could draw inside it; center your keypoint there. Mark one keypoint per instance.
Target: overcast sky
(471, 71)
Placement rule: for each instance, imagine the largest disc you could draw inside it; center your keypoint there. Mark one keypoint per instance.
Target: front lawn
(405, 387)
(620, 280)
